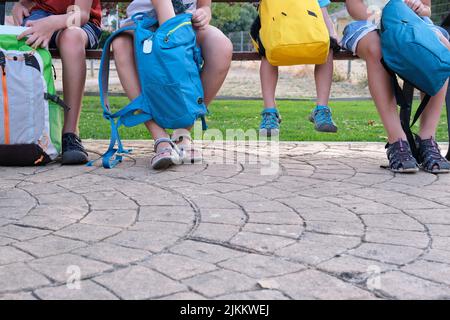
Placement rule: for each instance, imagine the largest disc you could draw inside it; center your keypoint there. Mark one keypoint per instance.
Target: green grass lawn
(356, 120)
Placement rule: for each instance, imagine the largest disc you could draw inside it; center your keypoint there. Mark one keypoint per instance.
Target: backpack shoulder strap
(421, 108)
(105, 67)
(125, 116)
(107, 159)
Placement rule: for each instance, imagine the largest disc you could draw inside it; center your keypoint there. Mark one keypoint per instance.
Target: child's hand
(417, 6)
(39, 33)
(201, 17)
(19, 12)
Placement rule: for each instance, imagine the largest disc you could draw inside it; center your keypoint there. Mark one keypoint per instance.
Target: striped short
(93, 32)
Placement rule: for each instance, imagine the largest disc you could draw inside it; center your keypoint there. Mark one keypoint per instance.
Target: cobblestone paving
(329, 224)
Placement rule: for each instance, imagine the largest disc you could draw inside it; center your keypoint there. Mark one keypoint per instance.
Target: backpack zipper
(166, 39)
(5, 106)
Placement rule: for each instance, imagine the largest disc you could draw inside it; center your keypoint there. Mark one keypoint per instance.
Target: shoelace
(402, 153)
(270, 120)
(73, 142)
(324, 116)
(431, 150)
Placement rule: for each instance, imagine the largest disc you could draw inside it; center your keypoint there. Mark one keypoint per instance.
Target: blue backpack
(169, 63)
(412, 50)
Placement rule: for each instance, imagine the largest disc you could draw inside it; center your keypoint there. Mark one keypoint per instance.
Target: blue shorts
(93, 31)
(357, 30)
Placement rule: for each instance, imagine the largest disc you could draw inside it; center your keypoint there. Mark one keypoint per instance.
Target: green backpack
(30, 112)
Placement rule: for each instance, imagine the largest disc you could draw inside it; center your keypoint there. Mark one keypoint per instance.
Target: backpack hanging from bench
(413, 51)
(291, 32)
(30, 117)
(169, 64)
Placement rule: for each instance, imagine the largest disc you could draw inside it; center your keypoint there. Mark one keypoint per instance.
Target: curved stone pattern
(329, 224)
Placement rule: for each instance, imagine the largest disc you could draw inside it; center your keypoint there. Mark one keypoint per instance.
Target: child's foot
(270, 123)
(322, 119)
(167, 154)
(431, 159)
(401, 159)
(73, 151)
(183, 140)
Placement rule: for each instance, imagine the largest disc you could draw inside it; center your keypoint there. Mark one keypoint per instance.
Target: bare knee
(72, 41)
(122, 43)
(216, 47)
(227, 48)
(122, 47)
(224, 52)
(369, 48)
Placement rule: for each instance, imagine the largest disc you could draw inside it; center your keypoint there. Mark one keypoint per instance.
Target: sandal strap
(181, 134)
(400, 156)
(431, 155)
(164, 140)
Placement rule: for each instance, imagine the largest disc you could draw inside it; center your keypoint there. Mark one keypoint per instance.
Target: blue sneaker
(270, 123)
(322, 119)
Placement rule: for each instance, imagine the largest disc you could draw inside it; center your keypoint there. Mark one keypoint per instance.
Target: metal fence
(440, 9)
(241, 41)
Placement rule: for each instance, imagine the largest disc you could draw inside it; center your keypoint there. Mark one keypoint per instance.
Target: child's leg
(369, 49)
(323, 74)
(126, 68)
(217, 52)
(164, 10)
(443, 39)
(269, 80)
(270, 122)
(72, 47)
(432, 114)
(430, 155)
(126, 65)
(321, 115)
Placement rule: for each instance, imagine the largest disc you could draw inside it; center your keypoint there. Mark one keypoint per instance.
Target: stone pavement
(330, 224)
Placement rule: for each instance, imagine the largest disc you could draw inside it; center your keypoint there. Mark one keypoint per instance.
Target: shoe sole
(441, 171)
(163, 164)
(74, 158)
(407, 171)
(324, 131)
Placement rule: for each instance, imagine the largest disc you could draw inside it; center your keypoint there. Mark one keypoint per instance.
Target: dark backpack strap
(255, 34)
(113, 155)
(421, 108)
(55, 99)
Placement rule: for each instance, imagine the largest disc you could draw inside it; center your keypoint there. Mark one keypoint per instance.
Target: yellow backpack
(292, 32)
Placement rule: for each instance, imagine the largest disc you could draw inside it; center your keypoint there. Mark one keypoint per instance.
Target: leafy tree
(232, 18)
(223, 13)
(333, 7)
